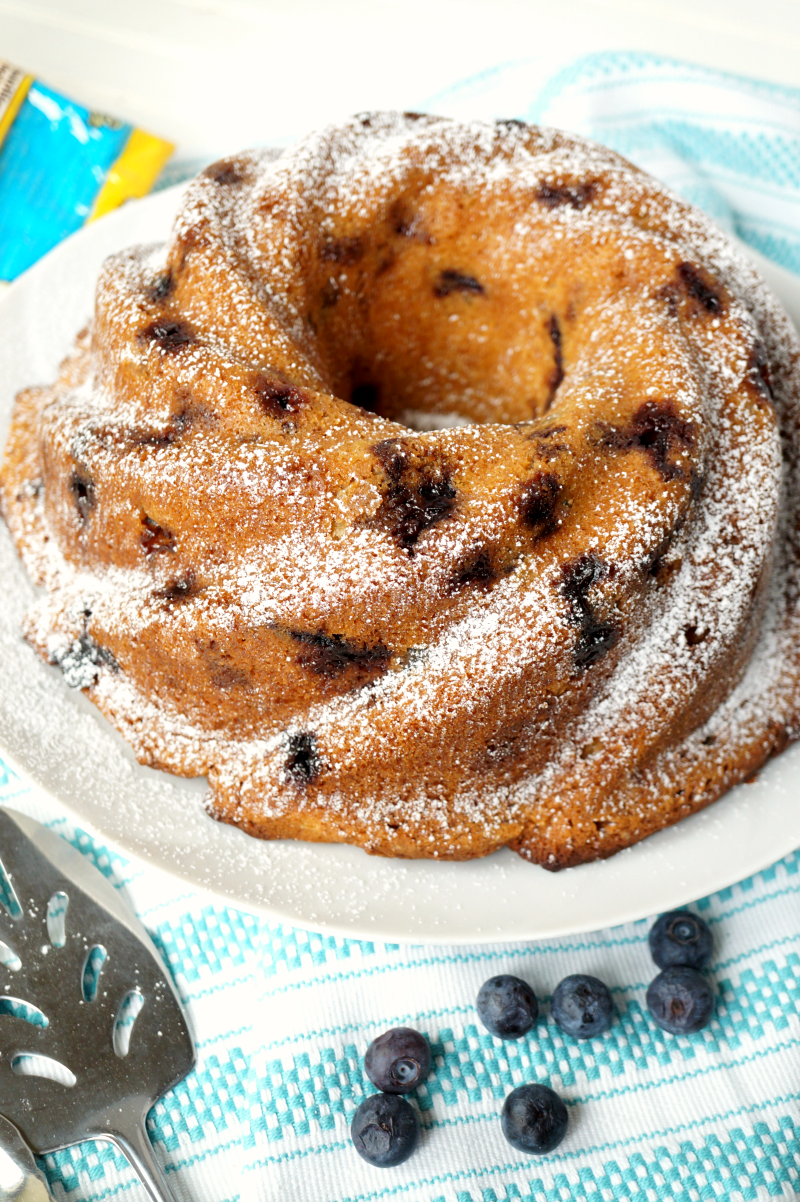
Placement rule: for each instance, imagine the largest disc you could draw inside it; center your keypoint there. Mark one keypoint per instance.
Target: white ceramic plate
(59, 740)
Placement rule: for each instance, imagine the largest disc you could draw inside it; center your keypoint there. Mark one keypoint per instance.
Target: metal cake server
(20, 1180)
(77, 1058)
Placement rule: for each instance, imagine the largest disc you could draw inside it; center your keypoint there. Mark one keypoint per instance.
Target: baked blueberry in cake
(433, 488)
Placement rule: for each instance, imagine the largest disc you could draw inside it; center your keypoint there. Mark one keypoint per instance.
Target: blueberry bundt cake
(433, 489)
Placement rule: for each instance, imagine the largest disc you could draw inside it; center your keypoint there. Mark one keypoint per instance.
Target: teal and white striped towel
(729, 145)
(283, 1016)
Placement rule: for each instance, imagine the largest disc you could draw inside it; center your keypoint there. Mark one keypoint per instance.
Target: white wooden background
(214, 75)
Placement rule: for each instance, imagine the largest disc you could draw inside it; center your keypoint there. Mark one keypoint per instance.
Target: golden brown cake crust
(433, 489)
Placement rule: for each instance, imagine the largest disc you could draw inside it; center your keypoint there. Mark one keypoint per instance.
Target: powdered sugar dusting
(485, 674)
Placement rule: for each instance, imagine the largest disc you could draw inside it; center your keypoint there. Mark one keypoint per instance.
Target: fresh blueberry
(507, 1006)
(681, 1000)
(534, 1119)
(582, 1006)
(385, 1130)
(398, 1060)
(681, 938)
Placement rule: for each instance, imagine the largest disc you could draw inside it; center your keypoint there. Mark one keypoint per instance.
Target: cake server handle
(134, 1143)
(20, 1180)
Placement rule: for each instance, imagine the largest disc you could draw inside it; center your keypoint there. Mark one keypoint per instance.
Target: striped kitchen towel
(283, 1016)
(729, 145)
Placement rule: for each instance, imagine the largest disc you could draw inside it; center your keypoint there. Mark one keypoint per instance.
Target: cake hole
(57, 918)
(420, 419)
(365, 396)
(29, 1064)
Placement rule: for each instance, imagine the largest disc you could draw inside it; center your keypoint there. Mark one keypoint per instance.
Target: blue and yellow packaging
(61, 166)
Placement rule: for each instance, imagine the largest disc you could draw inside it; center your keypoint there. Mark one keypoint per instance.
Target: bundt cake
(433, 489)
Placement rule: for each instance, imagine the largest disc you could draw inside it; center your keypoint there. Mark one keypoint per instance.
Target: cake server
(92, 1032)
(20, 1180)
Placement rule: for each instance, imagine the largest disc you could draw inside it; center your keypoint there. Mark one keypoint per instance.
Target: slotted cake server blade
(77, 1059)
